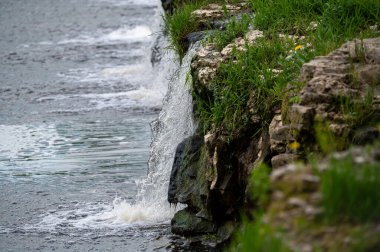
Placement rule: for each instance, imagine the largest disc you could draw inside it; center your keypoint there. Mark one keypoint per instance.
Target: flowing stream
(80, 99)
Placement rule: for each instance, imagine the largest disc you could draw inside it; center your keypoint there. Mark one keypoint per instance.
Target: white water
(174, 124)
(76, 138)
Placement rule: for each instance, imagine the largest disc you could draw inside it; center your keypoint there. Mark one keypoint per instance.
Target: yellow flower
(298, 47)
(295, 145)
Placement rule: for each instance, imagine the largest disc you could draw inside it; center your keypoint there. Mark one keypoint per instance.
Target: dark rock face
(193, 37)
(167, 5)
(210, 175)
(184, 170)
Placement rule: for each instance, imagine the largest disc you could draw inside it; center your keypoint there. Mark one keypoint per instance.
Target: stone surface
(207, 60)
(279, 135)
(184, 170)
(283, 159)
(198, 35)
(212, 12)
(185, 222)
(335, 91)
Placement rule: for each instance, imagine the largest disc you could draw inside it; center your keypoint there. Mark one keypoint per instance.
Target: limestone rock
(283, 159)
(334, 85)
(207, 60)
(239, 44)
(215, 11)
(279, 135)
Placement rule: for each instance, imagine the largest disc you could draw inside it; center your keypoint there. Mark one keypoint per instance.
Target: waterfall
(174, 124)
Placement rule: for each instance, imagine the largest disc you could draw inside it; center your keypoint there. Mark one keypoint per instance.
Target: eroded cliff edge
(329, 110)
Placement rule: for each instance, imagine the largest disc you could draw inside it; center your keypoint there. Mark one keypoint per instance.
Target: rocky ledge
(211, 170)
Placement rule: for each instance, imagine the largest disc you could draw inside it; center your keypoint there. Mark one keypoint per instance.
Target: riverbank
(286, 97)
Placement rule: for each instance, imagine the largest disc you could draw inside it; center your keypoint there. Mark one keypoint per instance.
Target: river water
(78, 93)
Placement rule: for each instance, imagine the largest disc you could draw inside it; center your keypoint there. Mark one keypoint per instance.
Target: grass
(179, 24)
(250, 76)
(351, 191)
(360, 112)
(338, 20)
(235, 28)
(258, 237)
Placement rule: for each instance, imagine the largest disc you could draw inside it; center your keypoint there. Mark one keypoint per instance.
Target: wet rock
(167, 5)
(199, 35)
(226, 230)
(184, 170)
(185, 222)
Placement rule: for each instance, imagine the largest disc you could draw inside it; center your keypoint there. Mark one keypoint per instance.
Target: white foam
(124, 71)
(140, 213)
(123, 34)
(120, 214)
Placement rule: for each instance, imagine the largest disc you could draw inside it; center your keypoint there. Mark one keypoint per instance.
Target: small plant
(351, 191)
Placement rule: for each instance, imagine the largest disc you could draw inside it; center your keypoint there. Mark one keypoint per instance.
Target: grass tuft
(179, 24)
(235, 28)
(351, 191)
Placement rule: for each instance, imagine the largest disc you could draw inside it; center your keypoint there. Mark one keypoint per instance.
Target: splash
(175, 123)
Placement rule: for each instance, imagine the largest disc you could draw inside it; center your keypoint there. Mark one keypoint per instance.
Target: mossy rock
(186, 222)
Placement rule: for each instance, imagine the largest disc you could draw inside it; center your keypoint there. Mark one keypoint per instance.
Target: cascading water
(175, 123)
(78, 91)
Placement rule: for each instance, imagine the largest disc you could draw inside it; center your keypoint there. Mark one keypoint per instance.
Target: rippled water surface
(77, 95)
